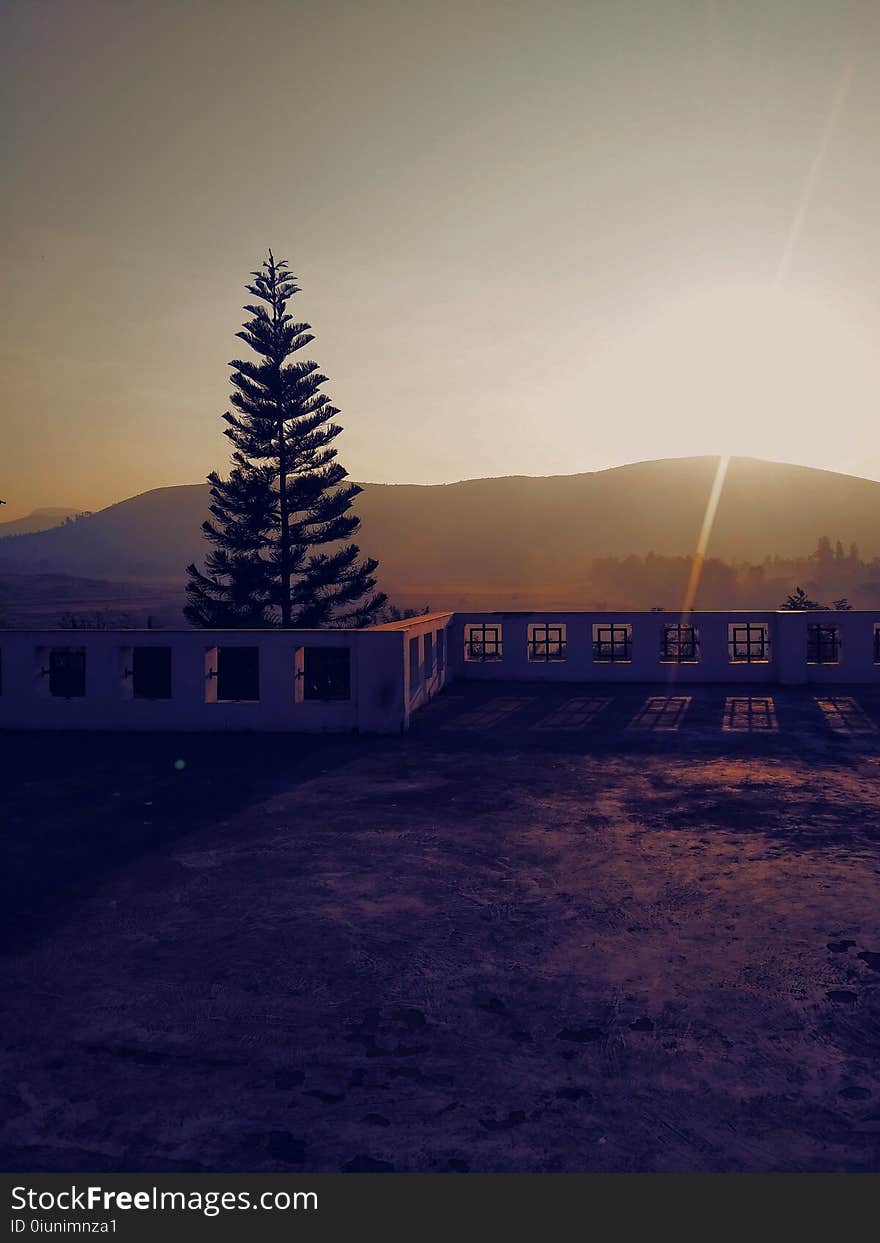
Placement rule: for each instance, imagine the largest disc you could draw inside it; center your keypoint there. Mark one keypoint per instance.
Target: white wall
(788, 649)
(377, 701)
(424, 677)
(395, 669)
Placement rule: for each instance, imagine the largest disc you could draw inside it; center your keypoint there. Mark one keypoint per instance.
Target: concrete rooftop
(552, 928)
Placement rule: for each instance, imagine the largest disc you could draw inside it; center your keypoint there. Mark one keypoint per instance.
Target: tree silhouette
(99, 619)
(281, 525)
(800, 600)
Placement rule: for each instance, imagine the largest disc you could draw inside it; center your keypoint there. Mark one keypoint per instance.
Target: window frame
(677, 649)
(734, 643)
(818, 642)
(540, 642)
(428, 657)
(221, 653)
(605, 649)
(490, 648)
(135, 660)
(55, 653)
(415, 663)
(321, 651)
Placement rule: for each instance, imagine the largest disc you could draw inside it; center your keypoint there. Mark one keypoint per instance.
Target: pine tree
(285, 499)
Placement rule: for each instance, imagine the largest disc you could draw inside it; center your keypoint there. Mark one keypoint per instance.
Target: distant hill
(39, 600)
(492, 539)
(36, 520)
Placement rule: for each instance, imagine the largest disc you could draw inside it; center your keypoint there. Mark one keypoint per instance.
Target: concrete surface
(540, 932)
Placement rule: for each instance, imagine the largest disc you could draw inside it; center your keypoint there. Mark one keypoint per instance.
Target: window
(482, 641)
(748, 643)
(877, 643)
(441, 650)
(429, 655)
(679, 643)
(415, 671)
(67, 672)
(823, 645)
(546, 642)
(612, 643)
(238, 674)
(326, 673)
(150, 672)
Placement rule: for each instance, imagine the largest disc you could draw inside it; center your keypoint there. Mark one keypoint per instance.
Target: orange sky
(532, 238)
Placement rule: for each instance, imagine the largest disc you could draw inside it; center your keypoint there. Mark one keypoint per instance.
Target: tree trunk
(282, 485)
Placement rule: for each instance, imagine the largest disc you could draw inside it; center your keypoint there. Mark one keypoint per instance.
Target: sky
(532, 238)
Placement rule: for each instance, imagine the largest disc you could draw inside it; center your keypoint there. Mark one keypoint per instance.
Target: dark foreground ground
(548, 930)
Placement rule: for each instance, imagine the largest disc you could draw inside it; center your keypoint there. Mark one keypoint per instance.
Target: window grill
(612, 643)
(546, 642)
(679, 643)
(482, 642)
(748, 643)
(823, 645)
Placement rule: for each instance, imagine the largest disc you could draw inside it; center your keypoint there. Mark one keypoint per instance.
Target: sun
(767, 369)
(754, 371)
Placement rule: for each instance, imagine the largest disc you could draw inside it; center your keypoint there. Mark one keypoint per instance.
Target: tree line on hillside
(829, 574)
(69, 521)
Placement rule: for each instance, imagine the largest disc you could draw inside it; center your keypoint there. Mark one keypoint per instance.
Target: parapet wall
(371, 681)
(310, 681)
(785, 647)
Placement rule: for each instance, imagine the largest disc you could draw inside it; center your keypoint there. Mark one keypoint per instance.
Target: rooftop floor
(549, 929)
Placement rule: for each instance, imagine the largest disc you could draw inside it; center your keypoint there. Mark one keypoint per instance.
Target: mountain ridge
(41, 519)
(485, 534)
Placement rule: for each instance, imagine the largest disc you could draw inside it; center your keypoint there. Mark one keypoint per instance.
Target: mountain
(500, 539)
(36, 520)
(41, 600)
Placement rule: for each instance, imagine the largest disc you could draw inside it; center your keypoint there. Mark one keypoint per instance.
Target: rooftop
(526, 936)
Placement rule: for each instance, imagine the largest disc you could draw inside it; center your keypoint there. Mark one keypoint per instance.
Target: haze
(532, 238)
